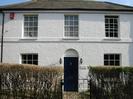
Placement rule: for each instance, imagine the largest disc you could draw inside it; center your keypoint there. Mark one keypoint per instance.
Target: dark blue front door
(70, 73)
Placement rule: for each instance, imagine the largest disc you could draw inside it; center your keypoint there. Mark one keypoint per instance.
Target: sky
(125, 2)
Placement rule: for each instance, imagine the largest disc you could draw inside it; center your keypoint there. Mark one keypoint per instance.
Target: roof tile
(66, 5)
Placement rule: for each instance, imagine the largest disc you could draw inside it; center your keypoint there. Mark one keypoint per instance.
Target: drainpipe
(2, 36)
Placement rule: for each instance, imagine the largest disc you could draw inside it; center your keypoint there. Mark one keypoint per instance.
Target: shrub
(111, 82)
(29, 81)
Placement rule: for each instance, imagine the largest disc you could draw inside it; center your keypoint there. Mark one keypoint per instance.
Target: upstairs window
(29, 59)
(30, 25)
(71, 25)
(112, 59)
(111, 26)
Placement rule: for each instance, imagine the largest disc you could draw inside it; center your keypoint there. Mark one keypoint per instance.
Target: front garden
(30, 82)
(111, 82)
(35, 82)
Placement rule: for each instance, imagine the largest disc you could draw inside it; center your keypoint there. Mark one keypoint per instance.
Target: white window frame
(71, 37)
(120, 59)
(118, 26)
(29, 37)
(29, 60)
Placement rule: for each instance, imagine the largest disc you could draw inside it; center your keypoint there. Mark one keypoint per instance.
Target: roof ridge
(68, 1)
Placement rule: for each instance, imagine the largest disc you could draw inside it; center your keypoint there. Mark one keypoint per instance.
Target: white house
(70, 33)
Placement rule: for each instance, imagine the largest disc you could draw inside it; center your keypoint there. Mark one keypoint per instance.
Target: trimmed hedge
(111, 82)
(30, 82)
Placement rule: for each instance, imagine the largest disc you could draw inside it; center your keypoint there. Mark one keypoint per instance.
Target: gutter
(2, 36)
(65, 9)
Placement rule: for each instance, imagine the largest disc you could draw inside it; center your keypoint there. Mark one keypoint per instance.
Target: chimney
(34, 0)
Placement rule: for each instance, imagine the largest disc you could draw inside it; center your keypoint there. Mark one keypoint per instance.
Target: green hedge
(29, 82)
(111, 82)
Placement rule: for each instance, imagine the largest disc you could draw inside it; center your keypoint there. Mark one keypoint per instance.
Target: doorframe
(71, 49)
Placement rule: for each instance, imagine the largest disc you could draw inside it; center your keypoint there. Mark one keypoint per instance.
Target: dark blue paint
(70, 74)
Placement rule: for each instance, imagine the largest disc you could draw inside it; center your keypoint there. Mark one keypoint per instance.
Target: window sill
(111, 39)
(70, 38)
(29, 38)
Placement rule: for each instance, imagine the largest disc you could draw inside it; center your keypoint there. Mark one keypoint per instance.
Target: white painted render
(51, 27)
(51, 44)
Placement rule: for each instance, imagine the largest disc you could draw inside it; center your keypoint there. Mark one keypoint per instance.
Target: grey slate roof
(67, 5)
